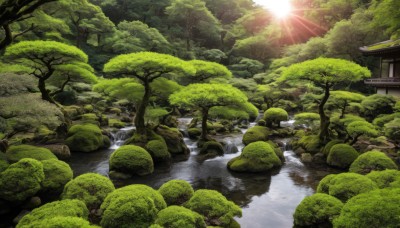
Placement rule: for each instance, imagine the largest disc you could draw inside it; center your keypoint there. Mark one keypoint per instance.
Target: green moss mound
(63, 208)
(341, 156)
(60, 222)
(85, 138)
(132, 206)
(212, 149)
(255, 134)
(90, 188)
(329, 146)
(323, 186)
(57, 173)
(132, 160)
(216, 209)
(116, 123)
(16, 153)
(275, 116)
(176, 192)
(372, 160)
(3, 165)
(378, 208)
(178, 217)
(317, 210)
(346, 185)
(256, 157)
(384, 178)
(21, 180)
(158, 150)
(194, 133)
(310, 143)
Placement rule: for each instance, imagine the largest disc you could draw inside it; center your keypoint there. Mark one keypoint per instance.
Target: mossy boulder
(317, 210)
(372, 160)
(88, 108)
(132, 160)
(176, 192)
(275, 116)
(379, 208)
(174, 140)
(61, 151)
(310, 143)
(90, 188)
(323, 185)
(16, 153)
(194, 133)
(256, 157)
(384, 178)
(217, 210)
(255, 134)
(329, 145)
(131, 206)
(341, 156)
(211, 149)
(178, 217)
(158, 150)
(72, 112)
(278, 150)
(57, 209)
(21, 180)
(62, 222)
(116, 123)
(344, 186)
(85, 138)
(57, 173)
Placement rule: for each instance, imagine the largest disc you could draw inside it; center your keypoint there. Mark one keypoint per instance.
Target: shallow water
(267, 200)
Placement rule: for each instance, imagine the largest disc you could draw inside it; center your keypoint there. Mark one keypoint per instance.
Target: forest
(199, 113)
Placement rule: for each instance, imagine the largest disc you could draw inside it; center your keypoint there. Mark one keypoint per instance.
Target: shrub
(392, 129)
(216, 209)
(21, 180)
(176, 192)
(329, 145)
(317, 210)
(310, 143)
(380, 121)
(57, 173)
(372, 160)
(16, 153)
(256, 157)
(346, 185)
(131, 206)
(177, 217)
(90, 188)
(377, 104)
(275, 116)
(358, 128)
(158, 150)
(132, 160)
(85, 138)
(341, 156)
(384, 178)
(309, 119)
(255, 134)
(63, 208)
(323, 186)
(378, 208)
(62, 222)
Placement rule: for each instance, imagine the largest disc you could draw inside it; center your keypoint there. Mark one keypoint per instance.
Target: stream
(267, 200)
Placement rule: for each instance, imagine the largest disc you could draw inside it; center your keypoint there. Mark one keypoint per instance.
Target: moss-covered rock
(21, 180)
(378, 208)
(256, 157)
(211, 149)
(310, 143)
(61, 222)
(216, 209)
(317, 210)
(131, 206)
(275, 116)
(132, 160)
(16, 153)
(372, 160)
(88, 108)
(63, 208)
(341, 156)
(90, 188)
(176, 192)
(346, 185)
(384, 178)
(116, 123)
(158, 150)
(194, 133)
(329, 145)
(59, 150)
(178, 217)
(174, 140)
(85, 138)
(278, 151)
(323, 185)
(255, 134)
(72, 112)
(57, 173)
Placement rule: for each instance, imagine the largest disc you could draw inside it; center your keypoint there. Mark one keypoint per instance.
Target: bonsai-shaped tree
(358, 128)
(206, 96)
(325, 73)
(44, 57)
(343, 99)
(208, 70)
(146, 67)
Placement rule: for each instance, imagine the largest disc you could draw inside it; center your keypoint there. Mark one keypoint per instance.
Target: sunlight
(281, 8)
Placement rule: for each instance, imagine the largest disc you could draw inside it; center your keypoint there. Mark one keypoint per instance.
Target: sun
(281, 8)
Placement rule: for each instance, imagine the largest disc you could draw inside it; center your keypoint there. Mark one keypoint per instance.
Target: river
(267, 200)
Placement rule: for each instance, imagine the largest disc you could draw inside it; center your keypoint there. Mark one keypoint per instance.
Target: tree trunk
(8, 37)
(325, 121)
(45, 93)
(204, 134)
(355, 139)
(140, 112)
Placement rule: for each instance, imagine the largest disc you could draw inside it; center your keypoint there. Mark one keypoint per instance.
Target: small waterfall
(118, 138)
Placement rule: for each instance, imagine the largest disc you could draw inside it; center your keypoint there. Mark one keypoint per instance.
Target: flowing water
(267, 200)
